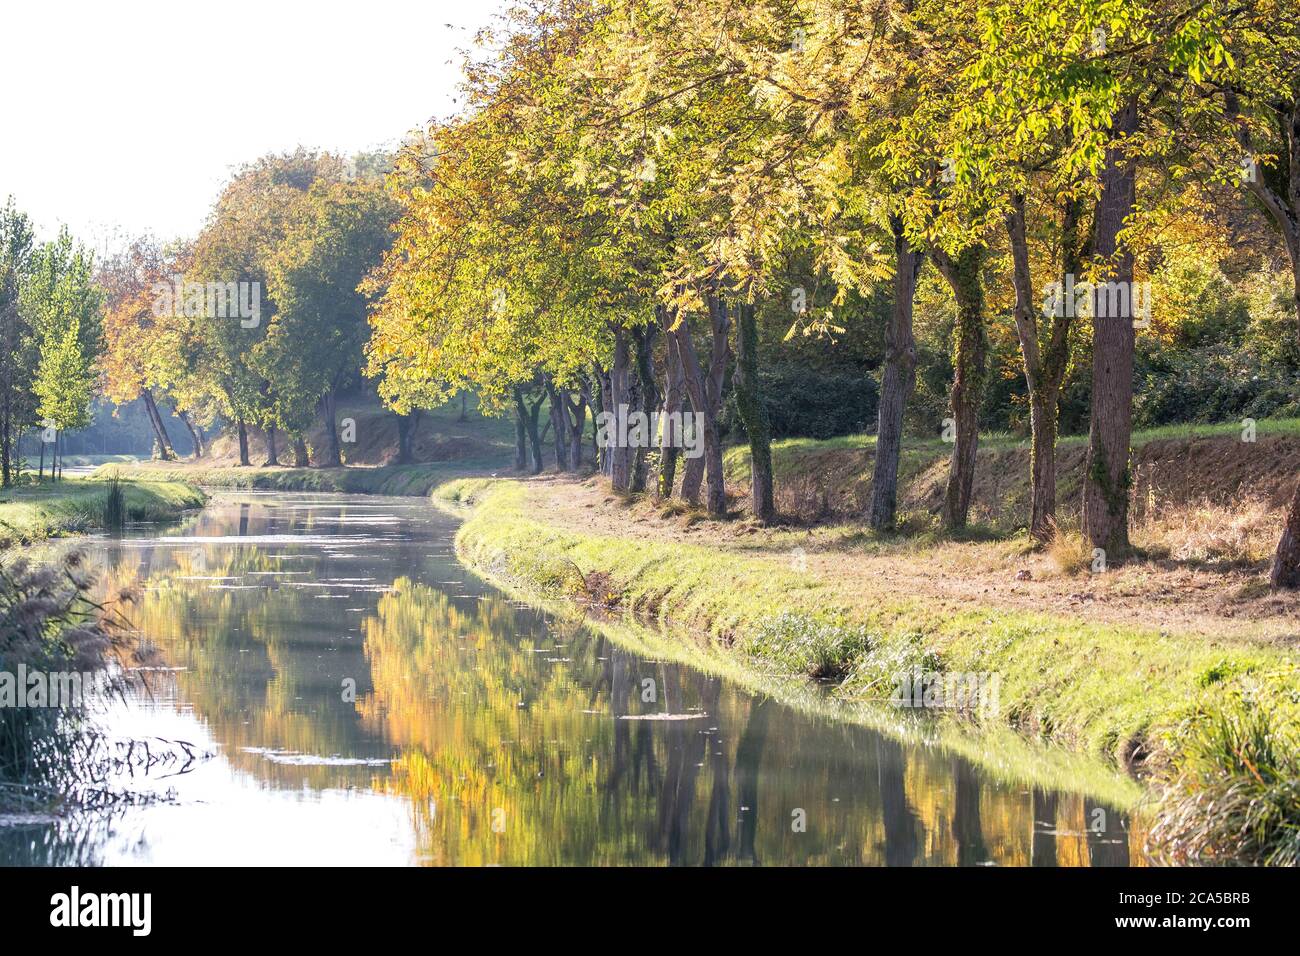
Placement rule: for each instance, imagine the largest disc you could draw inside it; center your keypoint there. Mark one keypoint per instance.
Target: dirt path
(1182, 597)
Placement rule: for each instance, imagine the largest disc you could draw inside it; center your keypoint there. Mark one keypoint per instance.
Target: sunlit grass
(35, 511)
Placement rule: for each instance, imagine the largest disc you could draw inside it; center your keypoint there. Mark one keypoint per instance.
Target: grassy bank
(1136, 696)
(32, 512)
(418, 479)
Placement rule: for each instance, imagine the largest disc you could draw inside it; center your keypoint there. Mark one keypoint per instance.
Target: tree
(19, 349)
(313, 343)
(1262, 104)
(64, 306)
(143, 343)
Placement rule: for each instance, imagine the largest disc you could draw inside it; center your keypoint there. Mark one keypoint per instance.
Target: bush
(49, 624)
(1215, 383)
(812, 403)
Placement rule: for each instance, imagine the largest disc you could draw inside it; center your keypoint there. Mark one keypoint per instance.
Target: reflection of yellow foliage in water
(489, 780)
(509, 744)
(236, 657)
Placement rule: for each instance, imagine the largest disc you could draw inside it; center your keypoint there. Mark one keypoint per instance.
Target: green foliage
(1219, 382)
(813, 403)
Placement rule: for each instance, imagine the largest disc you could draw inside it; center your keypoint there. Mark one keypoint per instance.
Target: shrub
(1215, 383)
(811, 402)
(49, 624)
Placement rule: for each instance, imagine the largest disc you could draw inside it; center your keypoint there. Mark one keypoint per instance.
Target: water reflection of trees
(492, 710)
(519, 740)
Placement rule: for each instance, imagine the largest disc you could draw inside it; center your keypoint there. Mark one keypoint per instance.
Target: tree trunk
(620, 474)
(464, 414)
(896, 382)
(559, 424)
(671, 449)
(521, 433)
(705, 392)
(329, 414)
(407, 425)
(1279, 193)
(1044, 370)
(534, 439)
(272, 455)
(575, 414)
(604, 461)
(969, 370)
(40, 472)
(300, 457)
(195, 435)
(243, 443)
(646, 395)
(1043, 404)
(529, 415)
(1106, 474)
(6, 419)
(753, 413)
(165, 450)
(1286, 563)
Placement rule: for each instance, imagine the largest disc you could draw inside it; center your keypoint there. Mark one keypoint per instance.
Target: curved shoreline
(1070, 687)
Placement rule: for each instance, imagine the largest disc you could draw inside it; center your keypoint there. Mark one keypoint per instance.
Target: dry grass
(1070, 552)
(1242, 533)
(802, 497)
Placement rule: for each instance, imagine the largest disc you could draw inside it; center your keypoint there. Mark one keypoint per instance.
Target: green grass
(416, 480)
(32, 512)
(535, 562)
(1114, 692)
(1235, 795)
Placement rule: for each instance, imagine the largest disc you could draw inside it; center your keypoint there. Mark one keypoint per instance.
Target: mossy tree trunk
(896, 382)
(753, 413)
(1106, 474)
(1044, 362)
(970, 360)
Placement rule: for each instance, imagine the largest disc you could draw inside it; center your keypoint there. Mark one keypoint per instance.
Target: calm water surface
(365, 699)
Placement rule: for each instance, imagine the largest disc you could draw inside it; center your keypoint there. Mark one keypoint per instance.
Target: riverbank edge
(404, 481)
(1007, 755)
(32, 514)
(1065, 683)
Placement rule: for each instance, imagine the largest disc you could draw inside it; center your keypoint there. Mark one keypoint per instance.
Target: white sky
(128, 115)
